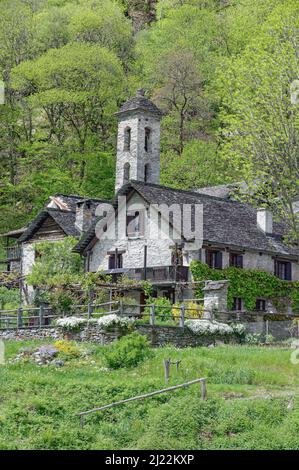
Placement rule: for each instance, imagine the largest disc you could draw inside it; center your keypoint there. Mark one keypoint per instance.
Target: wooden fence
(202, 382)
(44, 317)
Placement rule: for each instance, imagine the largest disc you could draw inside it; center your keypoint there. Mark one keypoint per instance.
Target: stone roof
(226, 222)
(139, 102)
(64, 218)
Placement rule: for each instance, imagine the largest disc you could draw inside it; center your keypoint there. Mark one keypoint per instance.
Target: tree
(260, 123)
(77, 87)
(56, 261)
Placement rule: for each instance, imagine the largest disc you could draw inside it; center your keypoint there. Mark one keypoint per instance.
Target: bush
(193, 310)
(67, 348)
(110, 321)
(71, 323)
(162, 307)
(127, 351)
(207, 327)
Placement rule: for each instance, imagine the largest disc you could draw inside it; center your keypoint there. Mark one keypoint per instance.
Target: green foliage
(67, 349)
(56, 264)
(219, 70)
(129, 351)
(9, 298)
(163, 307)
(248, 284)
(179, 419)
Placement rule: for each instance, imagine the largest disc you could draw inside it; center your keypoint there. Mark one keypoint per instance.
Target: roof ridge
(185, 191)
(80, 197)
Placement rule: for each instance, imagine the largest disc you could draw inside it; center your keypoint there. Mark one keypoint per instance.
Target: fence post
(20, 318)
(267, 328)
(166, 363)
(41, 316)
(121, 307)
(152, 315)
(203, 388)
(89, 310)
(182, 316)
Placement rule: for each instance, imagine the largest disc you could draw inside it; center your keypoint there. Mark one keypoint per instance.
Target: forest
(224, 73)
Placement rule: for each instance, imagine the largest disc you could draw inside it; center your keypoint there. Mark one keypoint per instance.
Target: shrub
(110, 321)
(194, 310)
(127, 351)
(71, 323)
(67, 348)
(207, 327)
(254, 338)
(162, 307)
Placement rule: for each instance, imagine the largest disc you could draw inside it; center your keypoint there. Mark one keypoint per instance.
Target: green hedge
(249, 284)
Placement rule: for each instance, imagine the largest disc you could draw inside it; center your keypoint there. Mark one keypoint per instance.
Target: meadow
(252, 402)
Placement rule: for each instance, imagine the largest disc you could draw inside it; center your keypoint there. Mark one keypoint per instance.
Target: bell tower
(138, 142)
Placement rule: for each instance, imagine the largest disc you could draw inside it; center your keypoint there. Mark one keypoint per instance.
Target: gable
(48, 230)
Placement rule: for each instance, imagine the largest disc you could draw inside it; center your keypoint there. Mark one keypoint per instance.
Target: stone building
(232, 234)
(143, 242)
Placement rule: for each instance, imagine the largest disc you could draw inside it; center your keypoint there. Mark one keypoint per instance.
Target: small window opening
(127, 139)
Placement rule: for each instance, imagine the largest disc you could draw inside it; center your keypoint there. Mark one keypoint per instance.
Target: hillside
(220, 70)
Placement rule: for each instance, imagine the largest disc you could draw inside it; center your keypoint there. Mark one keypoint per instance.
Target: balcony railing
(155, 274)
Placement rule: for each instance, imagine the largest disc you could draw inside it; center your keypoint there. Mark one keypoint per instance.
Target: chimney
(265, 220)
(83, 215)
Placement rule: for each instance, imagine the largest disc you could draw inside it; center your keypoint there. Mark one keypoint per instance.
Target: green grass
(38, 404)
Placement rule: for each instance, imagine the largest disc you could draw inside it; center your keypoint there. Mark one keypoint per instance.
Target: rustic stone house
(233, 234)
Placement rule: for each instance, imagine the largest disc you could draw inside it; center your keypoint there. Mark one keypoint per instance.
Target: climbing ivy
(249, 284)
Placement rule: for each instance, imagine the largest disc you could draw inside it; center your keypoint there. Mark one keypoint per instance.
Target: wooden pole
(166, 363)
(152, 315)
(146, 395)
(41, 315)
(145, 263)
(182, 316)
(20, 318)
(203, 389)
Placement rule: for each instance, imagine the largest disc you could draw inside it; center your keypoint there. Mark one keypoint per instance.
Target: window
(237, 304)
(127, 139)
(236, 260)
(135, 224)
(126, 172)
(147, 139)
(260, 305)
(214, 259)
(283, 270)
(115, 261)
(146, 172)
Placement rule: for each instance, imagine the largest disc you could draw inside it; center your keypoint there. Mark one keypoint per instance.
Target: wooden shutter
(218, 260)
(288, 271)
(275, 267)
(111, 262)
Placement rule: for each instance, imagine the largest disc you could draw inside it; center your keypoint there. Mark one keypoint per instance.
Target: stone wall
(157, 335)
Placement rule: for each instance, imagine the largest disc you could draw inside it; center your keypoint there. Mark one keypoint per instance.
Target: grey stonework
(215, 297)
(157, 335)
(138, 120)
(84, 216)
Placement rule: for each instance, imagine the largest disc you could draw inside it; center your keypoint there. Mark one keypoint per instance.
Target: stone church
(231, 233)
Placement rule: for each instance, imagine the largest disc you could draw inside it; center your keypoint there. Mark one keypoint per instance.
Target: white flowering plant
(209, 328)
(71, 323)
(238, 328)
(112, 320)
